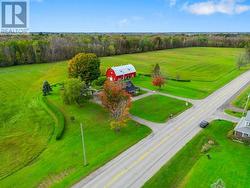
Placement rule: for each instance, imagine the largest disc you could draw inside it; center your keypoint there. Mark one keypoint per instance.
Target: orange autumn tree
(117, 102)
(158, 81)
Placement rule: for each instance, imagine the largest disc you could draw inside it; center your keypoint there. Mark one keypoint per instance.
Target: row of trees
(40, 48)
(244, 58)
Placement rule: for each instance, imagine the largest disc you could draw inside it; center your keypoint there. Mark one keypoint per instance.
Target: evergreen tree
(46, 88)
(156, 70)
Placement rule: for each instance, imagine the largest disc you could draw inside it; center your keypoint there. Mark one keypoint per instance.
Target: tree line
(43, 48)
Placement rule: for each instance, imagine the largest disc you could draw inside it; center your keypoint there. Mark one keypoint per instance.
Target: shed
(121, 72)
(242, 130)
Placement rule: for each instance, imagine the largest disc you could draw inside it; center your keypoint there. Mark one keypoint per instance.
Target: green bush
(100, 81)
(72, 90)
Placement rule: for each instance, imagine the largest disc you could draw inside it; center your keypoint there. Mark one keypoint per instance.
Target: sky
(140, 15)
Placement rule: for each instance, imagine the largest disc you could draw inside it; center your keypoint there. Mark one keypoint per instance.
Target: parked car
(204, 124)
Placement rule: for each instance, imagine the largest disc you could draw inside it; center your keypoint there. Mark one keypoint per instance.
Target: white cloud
(172, 2)
(123, 22)
(217, 6)
(242, 8)
(128, 21)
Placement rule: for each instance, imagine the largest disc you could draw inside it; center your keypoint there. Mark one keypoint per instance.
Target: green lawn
(233, 113)
(27, 130)
(28, 134)
(158, 108)
(207, 68)
(241, 100)
(190, 168)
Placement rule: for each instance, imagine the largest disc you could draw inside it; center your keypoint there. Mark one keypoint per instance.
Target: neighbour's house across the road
(121, 72)
(242, 130)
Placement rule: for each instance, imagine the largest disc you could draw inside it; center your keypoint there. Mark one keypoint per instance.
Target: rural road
(136, 165)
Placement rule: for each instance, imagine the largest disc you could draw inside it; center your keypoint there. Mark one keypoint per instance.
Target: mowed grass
(241, 100)
(27, 130)
(30, 152)
(190, 168)
(25, 127)
(207, 68)
(233, 113)
(158, 108)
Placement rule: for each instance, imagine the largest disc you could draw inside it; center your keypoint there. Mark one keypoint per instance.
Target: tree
(241, 61)
(117, 102)
(158, 81)
(46, 88)
(156, 70)
(247, 52)
(84, 66)
(73, 91)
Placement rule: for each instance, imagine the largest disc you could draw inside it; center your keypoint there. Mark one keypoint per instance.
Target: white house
(242, 130)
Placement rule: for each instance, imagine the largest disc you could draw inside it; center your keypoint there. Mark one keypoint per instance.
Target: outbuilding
(121, 72)
(242, 130)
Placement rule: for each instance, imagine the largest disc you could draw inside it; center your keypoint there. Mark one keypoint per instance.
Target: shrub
(211, 142)
(205, 148)
(100, 81)
(59, 118)
(72, 91)
(158, 81)
(146, 75)
(230, 134)
(46, 88)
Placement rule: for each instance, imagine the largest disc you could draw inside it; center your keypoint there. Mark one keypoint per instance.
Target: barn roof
(124, 69)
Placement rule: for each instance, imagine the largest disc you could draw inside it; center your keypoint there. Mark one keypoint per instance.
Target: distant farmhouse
(124, 73)
(121, 72)
(242, 130)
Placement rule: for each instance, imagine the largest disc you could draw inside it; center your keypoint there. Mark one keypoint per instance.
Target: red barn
(121, 72)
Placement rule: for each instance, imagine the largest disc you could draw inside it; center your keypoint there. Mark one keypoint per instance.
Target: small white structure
(242, 130)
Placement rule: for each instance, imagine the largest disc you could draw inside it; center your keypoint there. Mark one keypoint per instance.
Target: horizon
(148, 16)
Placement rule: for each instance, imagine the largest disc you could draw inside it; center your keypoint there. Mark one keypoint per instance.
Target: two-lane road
(136, 165)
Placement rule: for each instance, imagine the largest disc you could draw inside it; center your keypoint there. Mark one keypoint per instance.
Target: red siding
(110, 74)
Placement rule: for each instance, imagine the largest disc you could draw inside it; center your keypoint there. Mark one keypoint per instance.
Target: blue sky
(140, 15)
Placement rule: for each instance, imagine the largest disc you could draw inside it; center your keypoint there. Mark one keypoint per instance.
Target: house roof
(124, 69)
(242, 127)
(129, 86)
(248, 116)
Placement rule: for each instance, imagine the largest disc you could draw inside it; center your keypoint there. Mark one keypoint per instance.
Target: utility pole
(245, 109)
(83, 148)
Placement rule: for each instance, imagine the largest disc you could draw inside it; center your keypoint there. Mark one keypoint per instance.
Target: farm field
(158, 108)
(27, 132)
(207, 69)
(191, 168)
